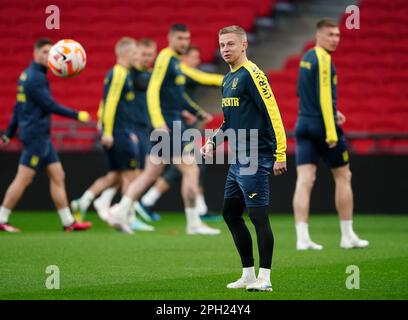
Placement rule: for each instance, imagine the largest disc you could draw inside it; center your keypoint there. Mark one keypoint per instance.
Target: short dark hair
(192, 48)
(323, 23)
(41, 43)
(146, 42)
(179, 27)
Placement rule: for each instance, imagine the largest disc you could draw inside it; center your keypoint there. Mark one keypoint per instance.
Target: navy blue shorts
(38, 154)
(123, 154)
(253, 187)
(311, 144)
(142, 146)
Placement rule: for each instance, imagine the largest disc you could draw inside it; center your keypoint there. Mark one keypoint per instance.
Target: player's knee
(23, 181)
(228, 212)
(192, 171)
(258, 216)
(348, 175)
(344, 176)
(150, 174)
(112, 178)
(229, 217)
(59, 177)
(306, 181)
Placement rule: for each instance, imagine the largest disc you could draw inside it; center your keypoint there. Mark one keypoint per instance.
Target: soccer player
(165, 101)
(190, 61)
(119, 116)
(319, 135)
(32, 115)
(140, 73)
(248, 103)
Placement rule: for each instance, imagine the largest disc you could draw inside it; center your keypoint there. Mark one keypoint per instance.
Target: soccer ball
(67, 58)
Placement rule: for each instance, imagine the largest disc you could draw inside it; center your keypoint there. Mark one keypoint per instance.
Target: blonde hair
(234, 29)
(123, 44)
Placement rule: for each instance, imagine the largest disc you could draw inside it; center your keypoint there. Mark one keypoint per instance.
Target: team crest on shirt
(34, 161)
(23, 76)
(234, 83)
(180, 80)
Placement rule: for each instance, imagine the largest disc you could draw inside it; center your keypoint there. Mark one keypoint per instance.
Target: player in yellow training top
(319, 135)
(248, 104)
(165, 102)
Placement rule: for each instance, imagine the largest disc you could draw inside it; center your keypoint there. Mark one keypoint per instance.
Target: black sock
(260, 219)
(232, 212)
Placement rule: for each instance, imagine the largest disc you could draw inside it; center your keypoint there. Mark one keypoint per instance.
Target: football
(67, 58)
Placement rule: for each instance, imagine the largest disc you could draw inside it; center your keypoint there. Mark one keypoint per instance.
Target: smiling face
(328, 38)
(232, 47)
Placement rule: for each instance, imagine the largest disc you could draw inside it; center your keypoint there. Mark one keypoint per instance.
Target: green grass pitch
(168, 264)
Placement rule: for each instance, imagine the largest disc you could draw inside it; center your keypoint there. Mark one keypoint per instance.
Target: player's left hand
(279, 168)
(134, 138)
(189, 118)
(4, 140)
(107, 141)
(207, 150)
(341, 118)
(84, 116)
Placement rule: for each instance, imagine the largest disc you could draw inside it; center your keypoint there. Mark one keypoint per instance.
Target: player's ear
(245, 45)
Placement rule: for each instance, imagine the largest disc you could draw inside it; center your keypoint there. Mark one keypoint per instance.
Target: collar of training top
(39, 67)
(242, 64)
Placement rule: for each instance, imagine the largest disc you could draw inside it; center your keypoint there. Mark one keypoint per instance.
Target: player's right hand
(4, 140)
(84, 116)
(341, 118)
(207, 150)
(332, 144)
(279, 168)
(107, 141)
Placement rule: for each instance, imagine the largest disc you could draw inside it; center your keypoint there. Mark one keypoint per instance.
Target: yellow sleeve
(153, 90)
(325, 94)
(204, 78)
(193, 106)
(100, 111)
(264, 91)
(112, 99)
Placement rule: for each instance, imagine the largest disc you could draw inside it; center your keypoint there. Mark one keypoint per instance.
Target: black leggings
(233, 215)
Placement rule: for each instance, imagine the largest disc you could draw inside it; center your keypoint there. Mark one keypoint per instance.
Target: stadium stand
(372, 69)
(88, 22)
(371, 62)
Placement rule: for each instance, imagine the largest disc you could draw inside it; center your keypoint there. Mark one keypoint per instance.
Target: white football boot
(308, 245)
(353, 242)
(241, 283)
(260, 285)
(119, 220)
(101, 209)
(202, 229)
